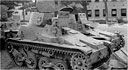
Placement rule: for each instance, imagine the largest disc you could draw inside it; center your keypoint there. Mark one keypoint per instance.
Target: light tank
(79, 22)
(47, 42)
(8, 29)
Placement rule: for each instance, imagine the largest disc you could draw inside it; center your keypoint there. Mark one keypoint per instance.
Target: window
(104, 12)
(114, 12)
(89, 13)
(26, 13)
(123, 12)
(97, 13)
(56, 12)
(88, 0)
(114, 0)
(76, 17)
(96, 0)
(56, 2)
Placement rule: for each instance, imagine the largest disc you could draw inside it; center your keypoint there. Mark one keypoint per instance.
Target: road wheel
(18, 58)
(31, 61)
(61, 66)
(43, 61)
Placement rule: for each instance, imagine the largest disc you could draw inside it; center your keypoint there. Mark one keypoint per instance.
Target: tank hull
(53, 52)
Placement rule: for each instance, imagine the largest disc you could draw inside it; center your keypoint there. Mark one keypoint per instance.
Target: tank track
(118, 43)
(121, 44)
(54, 52)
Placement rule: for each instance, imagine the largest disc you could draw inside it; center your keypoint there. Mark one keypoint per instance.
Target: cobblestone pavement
(6, 62)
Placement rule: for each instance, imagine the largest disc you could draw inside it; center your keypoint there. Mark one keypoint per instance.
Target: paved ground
(6, 62)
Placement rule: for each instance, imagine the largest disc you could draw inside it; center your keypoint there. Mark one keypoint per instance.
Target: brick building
(116, 9)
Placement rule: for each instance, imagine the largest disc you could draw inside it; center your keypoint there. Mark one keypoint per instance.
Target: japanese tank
(47, 43)
(8, 29)
(6, 32)
(79, 22)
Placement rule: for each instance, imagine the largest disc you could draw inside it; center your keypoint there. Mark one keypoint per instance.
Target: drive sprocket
(79, 62)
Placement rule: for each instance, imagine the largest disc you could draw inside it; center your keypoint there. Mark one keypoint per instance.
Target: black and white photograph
(63, 34)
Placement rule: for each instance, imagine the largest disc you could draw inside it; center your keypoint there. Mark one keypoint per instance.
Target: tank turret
(50, 42)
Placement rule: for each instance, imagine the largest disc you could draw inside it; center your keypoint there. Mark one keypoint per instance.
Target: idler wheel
(79, 62)
(42, 62)
(31, 61)
(18, 59)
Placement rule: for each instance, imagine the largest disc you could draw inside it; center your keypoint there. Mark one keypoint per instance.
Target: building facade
(116, 9)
